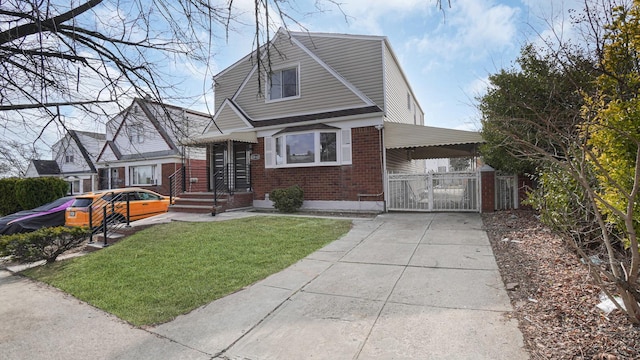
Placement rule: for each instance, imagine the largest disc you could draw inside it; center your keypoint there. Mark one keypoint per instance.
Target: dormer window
(68, 159)
(283, 84)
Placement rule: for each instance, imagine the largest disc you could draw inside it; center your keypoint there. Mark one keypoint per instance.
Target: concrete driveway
(400, 286)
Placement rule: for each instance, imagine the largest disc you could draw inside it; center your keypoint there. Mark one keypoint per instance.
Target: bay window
(309, 148)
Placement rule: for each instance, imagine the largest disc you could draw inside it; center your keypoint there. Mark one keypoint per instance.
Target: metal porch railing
(226, 180)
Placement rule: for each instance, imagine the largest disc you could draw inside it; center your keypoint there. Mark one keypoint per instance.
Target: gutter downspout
(380, 127)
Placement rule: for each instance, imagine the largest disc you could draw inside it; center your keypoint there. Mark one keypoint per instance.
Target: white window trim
(343, 149)
(267, 83)
(132, 179)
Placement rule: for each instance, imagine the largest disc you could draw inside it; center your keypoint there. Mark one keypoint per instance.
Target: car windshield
(82, 202)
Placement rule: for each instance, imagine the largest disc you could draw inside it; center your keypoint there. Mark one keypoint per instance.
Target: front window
(283, 84)
(328, 148)
(74, 187)
(300, 148)
(279, 156)
(142, 175)
(68, 159)
(319, 147)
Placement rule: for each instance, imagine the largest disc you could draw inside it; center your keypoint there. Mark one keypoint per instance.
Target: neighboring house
(40, 168)
(145, 145)
(74, 159)
(331, 113)
(76, 155)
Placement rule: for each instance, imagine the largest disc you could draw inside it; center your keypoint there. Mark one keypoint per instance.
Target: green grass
(171, 269)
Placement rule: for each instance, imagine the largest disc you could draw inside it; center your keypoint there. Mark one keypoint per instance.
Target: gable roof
(232, 115)
(46, 167)
(156, 123)
(159, 125)
(75, 135)
(282, 32)
(112, 148)
(291, 34)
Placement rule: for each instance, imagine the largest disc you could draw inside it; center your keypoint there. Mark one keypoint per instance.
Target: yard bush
(8, 201)
(43, 244)
(33, 192)
(287, 200)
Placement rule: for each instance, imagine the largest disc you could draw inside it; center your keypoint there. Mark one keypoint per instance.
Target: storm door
(218, 170)
(242, 177)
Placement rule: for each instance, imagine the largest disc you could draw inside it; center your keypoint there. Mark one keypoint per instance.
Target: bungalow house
(39, 168)
(332, 113)
(145, 145)
(74, 157)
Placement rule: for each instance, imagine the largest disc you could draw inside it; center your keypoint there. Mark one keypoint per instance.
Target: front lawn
(171, 269)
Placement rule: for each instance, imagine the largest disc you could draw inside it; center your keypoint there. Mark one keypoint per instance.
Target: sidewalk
(400, 286)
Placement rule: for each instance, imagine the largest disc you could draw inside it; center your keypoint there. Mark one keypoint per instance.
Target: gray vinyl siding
(359, 61)
(319, 90)
(397, 162)
(228, 120)
(396, 93)
(228, 82)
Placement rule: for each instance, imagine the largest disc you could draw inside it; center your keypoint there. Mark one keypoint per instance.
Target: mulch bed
(552, 294)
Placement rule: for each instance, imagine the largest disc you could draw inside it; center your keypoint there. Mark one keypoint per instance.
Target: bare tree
(580, 126)
(15, 157)
(85, 56)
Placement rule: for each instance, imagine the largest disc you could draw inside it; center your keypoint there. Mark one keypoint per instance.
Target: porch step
(198, 203)
(202, 203)
(198, 195)
(193, 209)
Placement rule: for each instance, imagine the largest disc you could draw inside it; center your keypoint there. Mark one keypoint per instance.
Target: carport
(450, 191)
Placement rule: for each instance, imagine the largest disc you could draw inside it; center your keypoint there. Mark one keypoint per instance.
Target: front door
(230, 169)
(218, 172)
(241, 166)
(103, 175)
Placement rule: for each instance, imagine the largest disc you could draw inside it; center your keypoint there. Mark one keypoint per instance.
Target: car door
(148, 203)
(137, 208)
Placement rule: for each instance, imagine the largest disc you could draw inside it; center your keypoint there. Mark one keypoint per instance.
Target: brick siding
(329, 183)
(488, 190)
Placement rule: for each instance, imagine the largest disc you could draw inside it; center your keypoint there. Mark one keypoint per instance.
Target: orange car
(142, 204)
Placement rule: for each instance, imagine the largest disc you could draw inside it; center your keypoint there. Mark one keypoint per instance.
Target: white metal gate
(451, 191)
(506, 192)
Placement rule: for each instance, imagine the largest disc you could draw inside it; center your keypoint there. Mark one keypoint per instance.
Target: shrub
(8, 201)
(287, 200)
(33, 192)
(43, 244)
(563, 206)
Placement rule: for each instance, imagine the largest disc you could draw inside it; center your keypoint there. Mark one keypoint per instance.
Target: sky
(447, 54)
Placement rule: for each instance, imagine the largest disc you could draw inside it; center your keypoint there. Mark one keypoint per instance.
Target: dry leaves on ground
(553, 296)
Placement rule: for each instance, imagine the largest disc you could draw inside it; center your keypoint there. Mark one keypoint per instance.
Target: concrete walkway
(400, 286)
